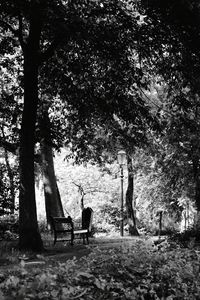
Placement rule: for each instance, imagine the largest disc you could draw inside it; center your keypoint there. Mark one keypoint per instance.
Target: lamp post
(121, 157)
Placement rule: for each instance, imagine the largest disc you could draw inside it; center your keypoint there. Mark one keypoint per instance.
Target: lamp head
(121, 157)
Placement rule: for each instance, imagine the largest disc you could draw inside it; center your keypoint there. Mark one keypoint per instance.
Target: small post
(160, 222)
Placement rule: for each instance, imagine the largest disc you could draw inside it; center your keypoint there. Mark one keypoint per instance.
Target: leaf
(100, 284)
(22, 263)
(2, 296)
(12, 281)
(67, 291)
(54, 294)
(85, 274)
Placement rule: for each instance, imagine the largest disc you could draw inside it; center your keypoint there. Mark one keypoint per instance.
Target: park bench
(64, 227)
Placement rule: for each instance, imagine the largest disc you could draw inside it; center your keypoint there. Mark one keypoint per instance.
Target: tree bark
(196, 170)
(129, 199)
(29, 236)
(53, 202)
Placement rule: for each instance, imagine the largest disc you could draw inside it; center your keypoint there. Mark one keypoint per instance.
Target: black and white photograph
(99, 149)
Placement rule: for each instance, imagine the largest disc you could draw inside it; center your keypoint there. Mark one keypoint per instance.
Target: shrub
(186, 238)
(9, 226)
(107, 220)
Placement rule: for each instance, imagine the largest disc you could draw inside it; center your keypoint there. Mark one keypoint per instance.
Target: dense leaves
(135, 271)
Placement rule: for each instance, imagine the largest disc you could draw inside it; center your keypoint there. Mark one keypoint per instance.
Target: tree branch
(9, 146)
(5, 25)
(80, 188)
(20, 32)
(90, 191)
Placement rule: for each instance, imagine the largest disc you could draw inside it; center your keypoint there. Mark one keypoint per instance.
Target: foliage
(135, 271)
(6, 201)
(101, 191)
(9, 227)
(188, 238)
(96, 185)
(178, 70)
(108, 219)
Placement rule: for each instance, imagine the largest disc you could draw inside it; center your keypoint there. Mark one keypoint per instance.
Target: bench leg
(72, 238)
(87, 237)
(55, 238)
(83, 235)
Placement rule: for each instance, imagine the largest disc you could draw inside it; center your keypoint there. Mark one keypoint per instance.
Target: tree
(38, 27)
(24, 21)
(53, 202)
(130, 209)
(95, 56)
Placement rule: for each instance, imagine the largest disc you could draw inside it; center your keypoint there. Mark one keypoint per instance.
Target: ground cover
(129, 268)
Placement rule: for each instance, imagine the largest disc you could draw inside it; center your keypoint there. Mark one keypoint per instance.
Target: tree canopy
(89, 65)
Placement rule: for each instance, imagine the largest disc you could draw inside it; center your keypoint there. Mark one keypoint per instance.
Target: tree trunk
(53, 202)
(196, 170)
(129, 200)
(82, 201)
(197, 200)
(29, 236)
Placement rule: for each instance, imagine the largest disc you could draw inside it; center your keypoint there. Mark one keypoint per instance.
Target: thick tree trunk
(53, 202)
(129, 200)
(29, 236)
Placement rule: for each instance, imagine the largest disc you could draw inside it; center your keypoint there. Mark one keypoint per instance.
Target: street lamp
(121, 157)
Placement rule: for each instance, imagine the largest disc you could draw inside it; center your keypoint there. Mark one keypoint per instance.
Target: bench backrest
(87, 215)
(61, 223)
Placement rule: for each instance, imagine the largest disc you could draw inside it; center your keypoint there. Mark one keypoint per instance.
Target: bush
(107, 219)
(188, 238)
(9, 226)
(151, 224)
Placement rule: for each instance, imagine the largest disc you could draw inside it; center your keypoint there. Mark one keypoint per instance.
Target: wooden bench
(64, 227)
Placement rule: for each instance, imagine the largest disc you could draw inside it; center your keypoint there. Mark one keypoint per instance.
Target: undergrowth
(133, 271)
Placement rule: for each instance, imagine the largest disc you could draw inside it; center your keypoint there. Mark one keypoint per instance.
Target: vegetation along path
(117, 269)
